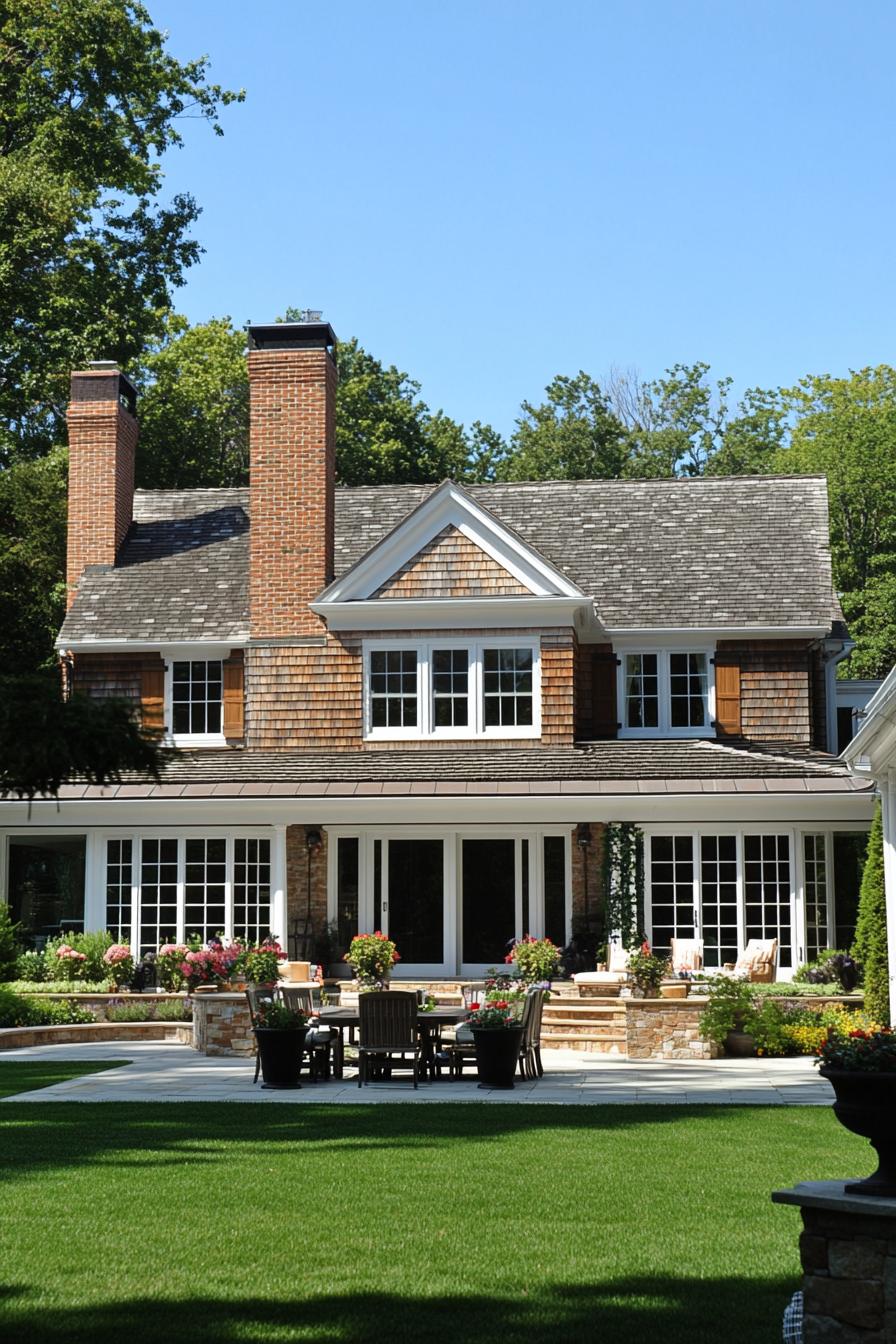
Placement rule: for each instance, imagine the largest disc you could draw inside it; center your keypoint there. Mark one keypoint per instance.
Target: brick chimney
(292, 470)
(102, 442)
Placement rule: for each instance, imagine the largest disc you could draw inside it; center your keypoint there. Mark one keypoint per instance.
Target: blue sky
(488, 194)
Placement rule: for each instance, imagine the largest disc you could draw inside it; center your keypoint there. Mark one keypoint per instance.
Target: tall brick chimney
(292, 471)
(102, 442)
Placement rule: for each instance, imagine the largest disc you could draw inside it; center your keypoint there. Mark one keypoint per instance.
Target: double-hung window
(667, 692)
(194, 696)
(443, 688)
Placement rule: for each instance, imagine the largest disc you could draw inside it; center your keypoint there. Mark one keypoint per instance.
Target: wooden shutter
(152, 697)
(234, 697)
(604, 712)
(728, 699)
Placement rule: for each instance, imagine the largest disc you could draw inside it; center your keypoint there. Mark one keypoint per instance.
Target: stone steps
(593, 1025)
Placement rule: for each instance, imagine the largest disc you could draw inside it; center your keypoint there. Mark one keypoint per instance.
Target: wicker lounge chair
(610, 981)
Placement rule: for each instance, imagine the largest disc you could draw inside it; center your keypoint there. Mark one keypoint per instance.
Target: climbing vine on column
(624, 881)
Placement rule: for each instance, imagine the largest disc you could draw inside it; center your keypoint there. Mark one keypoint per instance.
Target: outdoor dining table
(429, 1024)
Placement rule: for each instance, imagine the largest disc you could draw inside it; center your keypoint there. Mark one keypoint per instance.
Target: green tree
(89, 102)
(194, 407)
(845, 428)
(32, 559)
(572, 435)
(870, 945)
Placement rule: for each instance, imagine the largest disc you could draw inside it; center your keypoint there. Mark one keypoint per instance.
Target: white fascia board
(452, 613)
(846, 809)
(667, 636)
(185, 648)
(876, 738)
(449, 505)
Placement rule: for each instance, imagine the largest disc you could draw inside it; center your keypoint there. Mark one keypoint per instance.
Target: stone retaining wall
(85, 1033)
(222, 1025)
(665, 1029)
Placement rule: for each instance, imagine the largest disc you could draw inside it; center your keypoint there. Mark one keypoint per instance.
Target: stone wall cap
(831, 1195)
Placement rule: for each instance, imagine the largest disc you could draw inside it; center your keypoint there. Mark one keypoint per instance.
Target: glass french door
(490, 902)
(409, 887)
(723, 888)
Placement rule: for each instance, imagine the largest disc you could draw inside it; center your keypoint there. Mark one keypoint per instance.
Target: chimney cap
(103, 380)
(292, 336)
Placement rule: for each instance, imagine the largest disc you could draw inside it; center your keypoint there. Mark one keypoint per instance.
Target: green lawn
(446, 1222)
(19, 1075)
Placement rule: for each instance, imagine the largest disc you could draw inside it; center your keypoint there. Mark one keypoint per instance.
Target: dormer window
(445, 689)
(667, 693)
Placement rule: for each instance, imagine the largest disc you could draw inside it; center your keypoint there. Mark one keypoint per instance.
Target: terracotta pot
(497, 1052)
(866, 1104)
(676, 989)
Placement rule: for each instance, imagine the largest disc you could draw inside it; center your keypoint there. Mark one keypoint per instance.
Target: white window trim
(95, 894)
(664, 728)
(192, 653)
(425, 728)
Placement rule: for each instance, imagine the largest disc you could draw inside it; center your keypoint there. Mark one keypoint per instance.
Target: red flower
(509, 958)
(474, 1007)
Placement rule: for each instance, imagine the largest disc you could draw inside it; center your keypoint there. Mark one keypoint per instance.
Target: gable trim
(449, 505)
(453, 613)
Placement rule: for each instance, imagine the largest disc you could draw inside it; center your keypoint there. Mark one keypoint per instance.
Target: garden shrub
(58, 986)
(129, 1012)
(174, 1010)
(9, 943)
(870, 945)
(91, 946)
(31, 966)
(18, 1010)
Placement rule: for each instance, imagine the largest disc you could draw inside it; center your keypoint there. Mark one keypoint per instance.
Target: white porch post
(888, 817)
(278, 885)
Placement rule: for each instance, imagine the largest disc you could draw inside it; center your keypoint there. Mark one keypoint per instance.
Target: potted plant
(119, 964)
(497, 1036)
(371, 957)
(647, 971)
(280, 1037)
(537, 959)
(861, 1068)
(261, 964)
(727, 1017)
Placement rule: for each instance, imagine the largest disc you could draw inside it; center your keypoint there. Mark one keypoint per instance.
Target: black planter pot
(280, 1051)
(497, 1053)
(866, 1105)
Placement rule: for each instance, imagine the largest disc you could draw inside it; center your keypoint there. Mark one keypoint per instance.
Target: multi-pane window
(435, 689)
(718, 897)
(158, 893)
(172, 888)
(119, 880)
(507, 687)
(450, 688)
(393, 688)
(196, 692)
(767, 891)
(251, 888)
(642, 694)
(666, 691)
(205, 889)
(672, 890)
(816, 886)
(687, 690)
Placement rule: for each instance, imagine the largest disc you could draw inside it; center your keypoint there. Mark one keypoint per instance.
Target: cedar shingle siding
(774, 688)
(452, 566)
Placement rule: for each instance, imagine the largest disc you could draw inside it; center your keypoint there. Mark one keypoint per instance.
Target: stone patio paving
(161, 1072)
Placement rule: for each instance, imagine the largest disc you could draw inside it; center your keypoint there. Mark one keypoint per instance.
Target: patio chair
(686, 954)
(530, 1047)
(757, 962)
(258, 999)
(321, 1040)
(609, 981)
(387, 1030)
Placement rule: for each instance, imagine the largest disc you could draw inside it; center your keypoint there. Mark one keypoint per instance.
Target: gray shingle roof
(182, 573)
(720, 551)
(601, 767)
